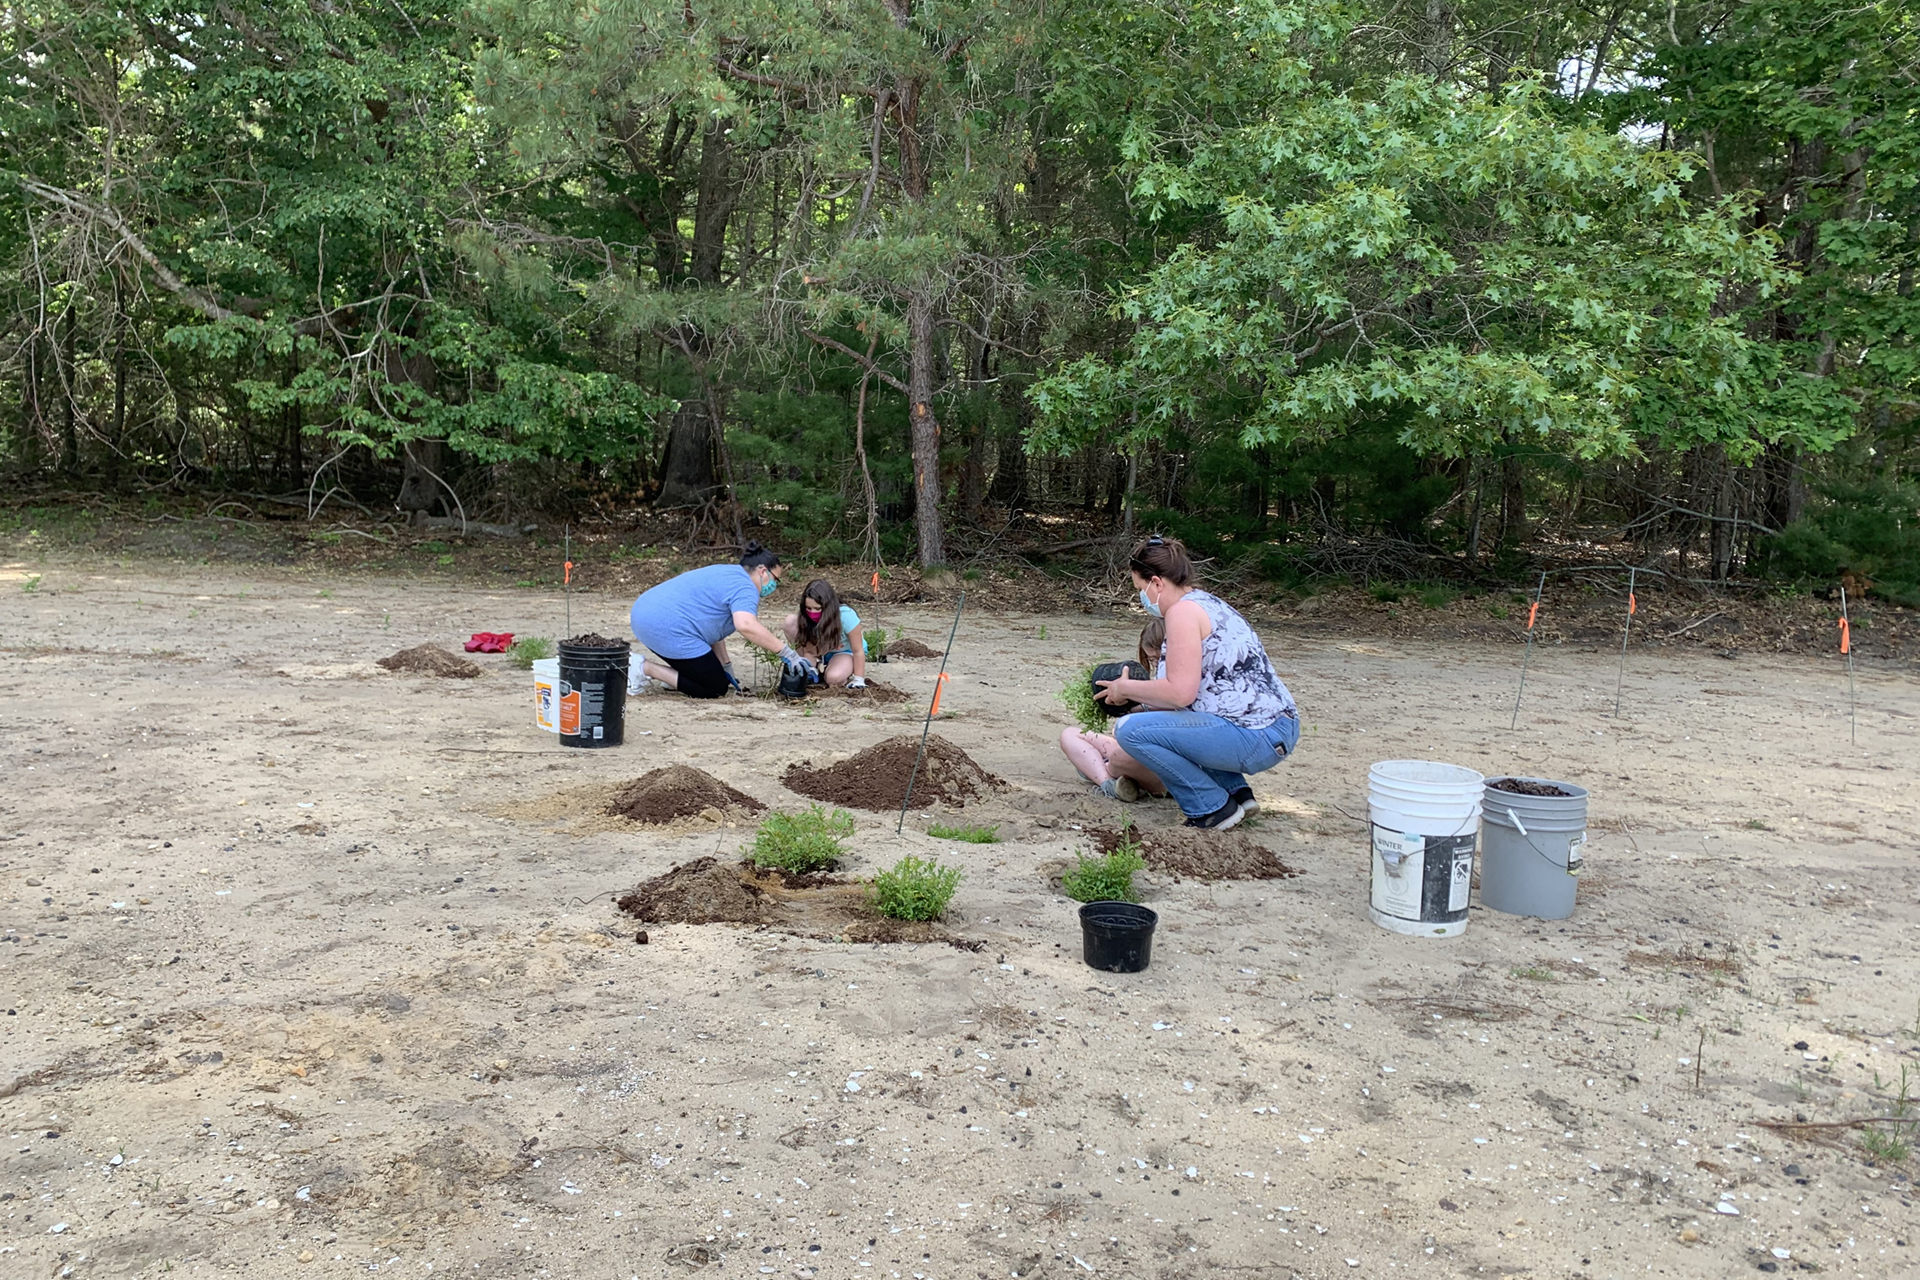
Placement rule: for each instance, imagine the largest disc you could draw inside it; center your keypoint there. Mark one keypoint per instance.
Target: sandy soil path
(304, 973)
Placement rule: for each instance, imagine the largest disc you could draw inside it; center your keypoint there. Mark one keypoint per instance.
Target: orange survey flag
(939, 686)
(1633, 604)
(569, 577)
(1533, 613)
(1845, 639)
(876, 584)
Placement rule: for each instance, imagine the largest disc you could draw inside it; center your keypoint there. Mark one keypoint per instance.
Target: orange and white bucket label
(569, 709)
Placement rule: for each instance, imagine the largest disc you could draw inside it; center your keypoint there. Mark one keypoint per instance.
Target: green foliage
(968, 835)
(1884, 1146)
(875, 640)
(914, 889)
(1108, 878)
(801, 842)
(1077, 694)
(527, 650)
(1872, 528)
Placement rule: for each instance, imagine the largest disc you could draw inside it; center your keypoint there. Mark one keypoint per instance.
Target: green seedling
(1077, 694)
(527, 650)
(914, 889)
(970, 835)
(1883, 1146)
(32, 583)
(1533, 973)
(1043, 631)
(1108, 878)
(876, 642)
(801, 842)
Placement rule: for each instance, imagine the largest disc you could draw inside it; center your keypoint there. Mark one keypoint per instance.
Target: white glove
(857, 682)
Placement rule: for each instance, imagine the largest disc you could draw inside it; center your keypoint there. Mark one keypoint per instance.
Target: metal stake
(1532, 615)
(921, 755)
(1846, 647)
(1632, 605)
(566, 556)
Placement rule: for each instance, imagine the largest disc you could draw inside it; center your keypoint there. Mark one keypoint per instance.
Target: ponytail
(755, 556)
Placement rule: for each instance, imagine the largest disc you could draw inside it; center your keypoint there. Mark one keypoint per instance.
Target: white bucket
(546, 694)
(1426, 826)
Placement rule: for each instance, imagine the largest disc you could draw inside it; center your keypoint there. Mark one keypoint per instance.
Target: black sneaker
(1227, 815)
(1244, 798)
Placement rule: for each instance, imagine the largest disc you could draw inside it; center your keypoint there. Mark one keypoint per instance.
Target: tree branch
(865, 362)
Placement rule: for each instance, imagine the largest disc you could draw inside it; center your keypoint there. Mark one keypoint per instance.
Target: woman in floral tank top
(1219, 710)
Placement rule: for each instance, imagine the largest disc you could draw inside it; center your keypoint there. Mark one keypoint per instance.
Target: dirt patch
(905, 648)
(876, 779)
(430, 660)
(709, 891)
(1709, 960)
(675, 792)
(594, 640)
(876, 691)
(1523, 787)
(1199, 855)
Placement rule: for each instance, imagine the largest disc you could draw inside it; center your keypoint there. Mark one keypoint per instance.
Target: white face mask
(1146, 602)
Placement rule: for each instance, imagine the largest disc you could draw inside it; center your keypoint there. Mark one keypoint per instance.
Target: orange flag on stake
(1846, 644)
(1633, 604)
(1533, 613)
(939, 686)
(569, 576)
(876, 584)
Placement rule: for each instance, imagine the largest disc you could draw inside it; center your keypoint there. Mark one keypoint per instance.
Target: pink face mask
(813, 615)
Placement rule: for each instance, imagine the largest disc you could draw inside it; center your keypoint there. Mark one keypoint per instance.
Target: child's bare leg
(662, 672)
(840, 670)
(791, 627)
(1081, 749)
(1125, 766)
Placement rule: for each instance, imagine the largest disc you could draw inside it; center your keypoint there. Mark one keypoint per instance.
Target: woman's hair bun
(753, 555)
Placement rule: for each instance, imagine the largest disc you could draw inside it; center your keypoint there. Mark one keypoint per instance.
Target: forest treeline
(1333, 287)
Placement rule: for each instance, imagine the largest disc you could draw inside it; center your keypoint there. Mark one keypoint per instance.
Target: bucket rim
(1143, 916)
(1395, 772)
(1509, 797)
(579, 650)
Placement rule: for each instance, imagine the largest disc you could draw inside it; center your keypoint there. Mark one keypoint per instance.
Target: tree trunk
(1513, 501)
(118, 449)
(688, 475)
(422, 462)
(290, 418)
(70, 442)
(925, 428)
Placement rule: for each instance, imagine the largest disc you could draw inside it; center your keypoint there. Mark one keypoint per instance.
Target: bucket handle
(1534, 845)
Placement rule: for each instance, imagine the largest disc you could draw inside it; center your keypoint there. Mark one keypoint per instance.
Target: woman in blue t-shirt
(685, 622)
(829, 633)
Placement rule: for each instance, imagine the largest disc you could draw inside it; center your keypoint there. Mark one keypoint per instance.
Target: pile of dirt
(1523, 787)
(831, 908)
(876, 691)
(905, 648)
(430, 660)
(675, 792)
(876, 779)
(594, 640)
(1199, 855)
(704, 891)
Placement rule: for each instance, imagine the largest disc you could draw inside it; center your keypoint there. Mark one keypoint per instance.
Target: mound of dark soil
(905, 648)
(708, 891)
(430, 660)
(1523, 787)
(876, 779)
(677, 791)
(1199, 855)
(704, 891)
(885, 694)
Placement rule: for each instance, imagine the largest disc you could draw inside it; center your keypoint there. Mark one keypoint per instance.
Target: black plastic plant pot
(1118, 936)
(1113, 671)
(793, 683)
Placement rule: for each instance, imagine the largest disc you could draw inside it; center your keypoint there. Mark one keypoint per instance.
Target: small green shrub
(1884, 1146)
(527, 650)
(1386, 592)
(801, 842)
(1437, 596)
(876, 642)
(1077, 694)
(914, 889)
(971, 835)
(1108, 878)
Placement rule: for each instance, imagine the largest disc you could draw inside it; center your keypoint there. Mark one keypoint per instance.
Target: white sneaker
(637, 681)
(1123, 789)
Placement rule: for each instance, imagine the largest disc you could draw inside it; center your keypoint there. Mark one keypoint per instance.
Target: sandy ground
(299, 980)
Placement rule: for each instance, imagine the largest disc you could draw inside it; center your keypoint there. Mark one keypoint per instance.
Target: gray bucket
(1532, 849)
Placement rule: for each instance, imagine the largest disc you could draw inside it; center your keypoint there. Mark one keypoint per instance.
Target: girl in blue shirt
(829, 633)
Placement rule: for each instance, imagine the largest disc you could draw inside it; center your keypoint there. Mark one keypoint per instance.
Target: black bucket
(593, 694)
(793, 683)
(1118, 936)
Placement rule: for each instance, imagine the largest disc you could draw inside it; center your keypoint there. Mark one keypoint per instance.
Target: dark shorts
(701, 677)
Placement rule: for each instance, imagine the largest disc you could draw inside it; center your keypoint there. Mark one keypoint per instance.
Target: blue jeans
(1203, 758)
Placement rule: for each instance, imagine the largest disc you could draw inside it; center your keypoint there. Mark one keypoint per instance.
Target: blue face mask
(768, 587)
(1148, 604)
